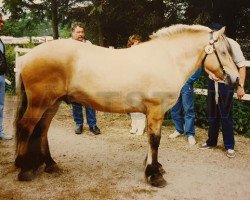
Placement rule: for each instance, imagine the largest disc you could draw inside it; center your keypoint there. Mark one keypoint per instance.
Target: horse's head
(218, 60)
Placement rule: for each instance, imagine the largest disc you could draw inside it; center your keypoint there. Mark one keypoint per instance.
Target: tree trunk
(100, 33)
(54, 19)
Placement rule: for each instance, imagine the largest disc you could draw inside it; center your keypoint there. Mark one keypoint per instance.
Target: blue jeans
(184, 106)
(220, 114)
(78, 116)
(2, 95)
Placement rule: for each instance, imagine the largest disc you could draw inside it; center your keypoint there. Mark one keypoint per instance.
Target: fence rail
(198, 91)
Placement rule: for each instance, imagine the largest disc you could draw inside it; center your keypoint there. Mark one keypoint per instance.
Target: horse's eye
(224, 53)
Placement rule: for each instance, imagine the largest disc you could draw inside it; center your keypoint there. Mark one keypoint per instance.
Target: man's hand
(240, 92)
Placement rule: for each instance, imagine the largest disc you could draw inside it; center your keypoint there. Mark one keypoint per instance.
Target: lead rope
(216, 88)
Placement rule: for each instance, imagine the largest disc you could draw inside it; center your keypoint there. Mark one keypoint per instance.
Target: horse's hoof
(52, 169)
(157, 181)
(26, 175)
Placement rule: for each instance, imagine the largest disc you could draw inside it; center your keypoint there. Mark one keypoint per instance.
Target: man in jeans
(77, 30)
(220, 102)
(3, 68)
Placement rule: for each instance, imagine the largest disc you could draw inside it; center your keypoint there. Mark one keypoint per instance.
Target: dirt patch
(109, 166)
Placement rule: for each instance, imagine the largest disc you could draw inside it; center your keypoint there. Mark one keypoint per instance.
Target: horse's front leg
(153, 169)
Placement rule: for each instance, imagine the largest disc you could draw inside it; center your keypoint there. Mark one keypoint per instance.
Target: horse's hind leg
(38, 148)
(44, 123)
(153, 168)
(28, 152)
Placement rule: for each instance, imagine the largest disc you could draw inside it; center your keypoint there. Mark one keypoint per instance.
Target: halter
(209, 49)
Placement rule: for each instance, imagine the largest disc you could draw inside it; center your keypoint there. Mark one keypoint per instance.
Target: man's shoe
(205, 146)
(174, 135)
(191, 140)
(5, 137)
(78, 129)
(95, 130)
(230, 153)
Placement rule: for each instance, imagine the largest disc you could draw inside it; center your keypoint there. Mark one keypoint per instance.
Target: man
(3, 68)
(77, 31)
(220, 101)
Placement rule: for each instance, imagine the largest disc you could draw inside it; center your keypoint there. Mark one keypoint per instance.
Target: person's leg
(3, 136)
(91, 116)
(225, 105)
(176, 115)
(77, 113)
(78, 117)
(213, 116)
(141, 124)
(134, 121)
(188, 108)
(189, 114)
(91, 120)
(2, 95)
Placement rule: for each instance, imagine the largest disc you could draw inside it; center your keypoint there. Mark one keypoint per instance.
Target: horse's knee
(154, 141)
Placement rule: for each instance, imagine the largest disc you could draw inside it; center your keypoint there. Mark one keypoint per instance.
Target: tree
(234, 14)
(54, 10)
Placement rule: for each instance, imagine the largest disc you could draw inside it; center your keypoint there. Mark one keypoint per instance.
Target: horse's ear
(218, 33)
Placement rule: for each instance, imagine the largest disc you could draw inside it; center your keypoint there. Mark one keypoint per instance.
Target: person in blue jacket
(183, 113)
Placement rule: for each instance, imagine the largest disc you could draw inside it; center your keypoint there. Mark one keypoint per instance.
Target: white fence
(196, 90)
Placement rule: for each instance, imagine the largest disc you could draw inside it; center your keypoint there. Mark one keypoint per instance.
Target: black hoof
(157, 181)
(26, 175)
(52, 169)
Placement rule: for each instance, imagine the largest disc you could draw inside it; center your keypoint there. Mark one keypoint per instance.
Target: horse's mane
(177, 29)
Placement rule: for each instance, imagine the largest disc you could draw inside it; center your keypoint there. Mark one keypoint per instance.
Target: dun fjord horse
(146, 78)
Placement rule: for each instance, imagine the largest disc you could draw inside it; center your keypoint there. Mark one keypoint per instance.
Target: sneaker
(5, 137)
(174, 134)
(205, 146)
(95, 130)
(78, 129)
(230, 153)
(191, 140)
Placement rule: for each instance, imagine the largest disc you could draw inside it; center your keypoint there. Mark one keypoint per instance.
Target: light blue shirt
(1, 47)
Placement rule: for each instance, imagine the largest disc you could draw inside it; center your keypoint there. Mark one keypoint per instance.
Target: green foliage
(26, 27)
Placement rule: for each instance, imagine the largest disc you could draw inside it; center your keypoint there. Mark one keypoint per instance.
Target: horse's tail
(21, 106)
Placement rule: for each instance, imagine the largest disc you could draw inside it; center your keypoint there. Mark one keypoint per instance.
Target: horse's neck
(189, 53)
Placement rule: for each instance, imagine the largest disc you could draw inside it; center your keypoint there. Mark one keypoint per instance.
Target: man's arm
(240, 87)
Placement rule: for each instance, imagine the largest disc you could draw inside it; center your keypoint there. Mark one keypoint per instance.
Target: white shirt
(237, 56)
